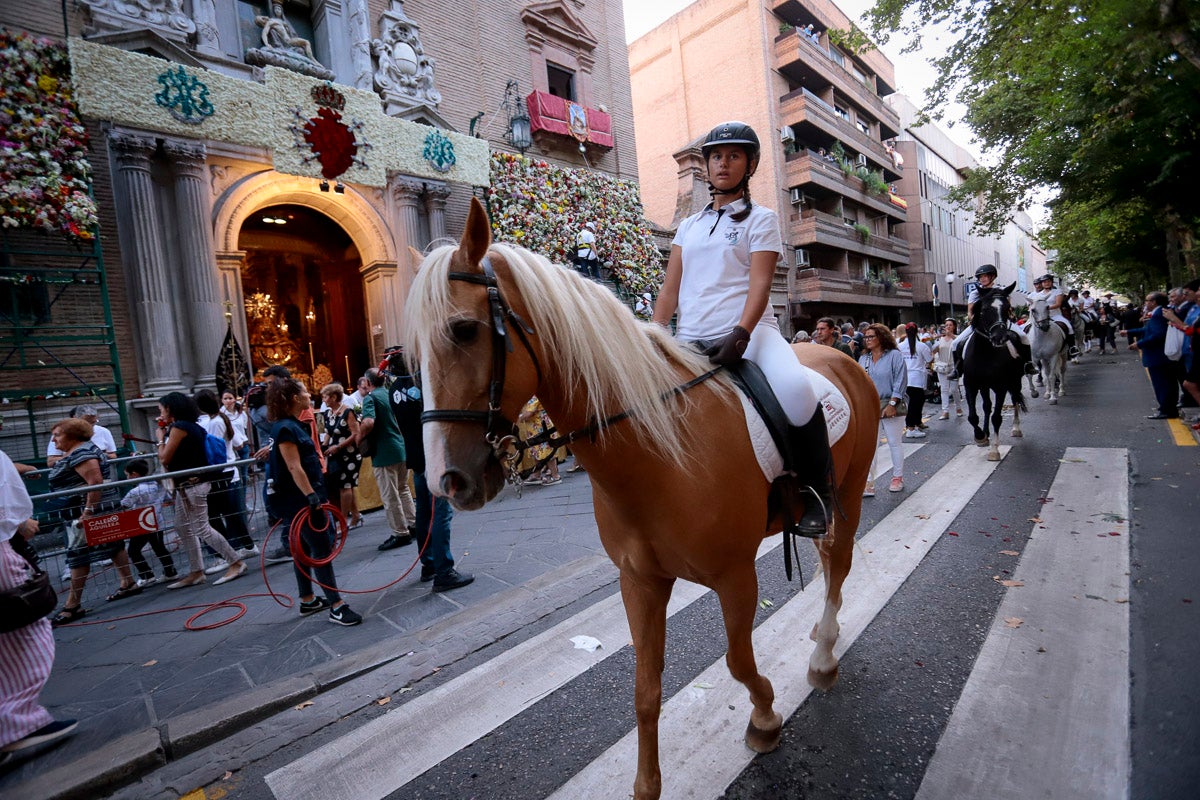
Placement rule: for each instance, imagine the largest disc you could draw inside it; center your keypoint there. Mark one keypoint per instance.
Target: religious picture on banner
(577, 121)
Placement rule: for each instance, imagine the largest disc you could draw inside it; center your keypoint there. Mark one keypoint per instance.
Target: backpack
(214, 450)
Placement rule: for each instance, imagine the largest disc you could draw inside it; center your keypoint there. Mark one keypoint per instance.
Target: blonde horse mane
(588, 337)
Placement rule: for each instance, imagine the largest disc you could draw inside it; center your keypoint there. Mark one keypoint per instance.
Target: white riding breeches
(770, 351)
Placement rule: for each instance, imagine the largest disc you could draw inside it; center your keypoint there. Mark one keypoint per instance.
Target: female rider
(719, 279)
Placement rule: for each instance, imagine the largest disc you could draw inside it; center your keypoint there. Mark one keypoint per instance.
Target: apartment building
(944, 251)
(827, 165)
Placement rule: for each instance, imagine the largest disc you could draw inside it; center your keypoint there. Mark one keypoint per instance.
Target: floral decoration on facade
(44, 169)
(439, 151)
(334, 144)
(184, 96)
(543, 207)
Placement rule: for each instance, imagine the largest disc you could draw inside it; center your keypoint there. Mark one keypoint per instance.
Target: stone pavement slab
(146, 690)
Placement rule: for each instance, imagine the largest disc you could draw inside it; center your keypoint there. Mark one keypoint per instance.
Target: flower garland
(543, 208)
(44, 170)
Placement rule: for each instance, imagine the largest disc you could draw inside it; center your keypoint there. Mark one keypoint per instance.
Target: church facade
(267, 165)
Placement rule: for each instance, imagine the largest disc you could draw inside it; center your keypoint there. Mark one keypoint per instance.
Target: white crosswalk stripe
(382, 756)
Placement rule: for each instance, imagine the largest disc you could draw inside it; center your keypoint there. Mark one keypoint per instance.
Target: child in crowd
(149, 493)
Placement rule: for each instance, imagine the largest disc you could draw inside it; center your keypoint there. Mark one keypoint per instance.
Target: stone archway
(361, 219)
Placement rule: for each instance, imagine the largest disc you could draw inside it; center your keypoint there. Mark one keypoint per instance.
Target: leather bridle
(499, 431)
(497, 427)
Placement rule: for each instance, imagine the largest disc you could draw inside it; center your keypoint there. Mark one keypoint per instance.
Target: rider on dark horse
(986, 275)
(719, 277)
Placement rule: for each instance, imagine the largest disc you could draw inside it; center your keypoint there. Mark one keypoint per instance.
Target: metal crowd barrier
(103, 580)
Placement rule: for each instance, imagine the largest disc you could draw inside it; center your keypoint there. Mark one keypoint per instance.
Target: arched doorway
(304, 297)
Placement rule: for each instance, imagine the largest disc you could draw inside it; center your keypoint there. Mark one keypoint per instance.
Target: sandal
(67, 615)
(125, 591)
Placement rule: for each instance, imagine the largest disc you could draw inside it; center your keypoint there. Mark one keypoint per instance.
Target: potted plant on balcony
(863, 232)
(785, 27)
(875, 184)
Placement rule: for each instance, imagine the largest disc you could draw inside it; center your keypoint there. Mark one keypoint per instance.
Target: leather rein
(499, 431)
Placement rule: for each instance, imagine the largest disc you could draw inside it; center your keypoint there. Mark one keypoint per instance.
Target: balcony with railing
(805, 168)
(824, 16)
(803, 61)
(831, 286)
(802, 106)
(811, 227)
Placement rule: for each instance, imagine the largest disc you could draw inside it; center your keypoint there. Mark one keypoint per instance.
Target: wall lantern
(519, 133)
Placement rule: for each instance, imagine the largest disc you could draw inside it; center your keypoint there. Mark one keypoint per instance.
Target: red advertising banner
(120, 525)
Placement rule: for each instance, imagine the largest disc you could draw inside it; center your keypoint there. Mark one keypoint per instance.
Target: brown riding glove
(729, 350)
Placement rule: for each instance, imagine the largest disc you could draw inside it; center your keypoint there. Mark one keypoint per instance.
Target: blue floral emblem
(439, 151)
(184, 95)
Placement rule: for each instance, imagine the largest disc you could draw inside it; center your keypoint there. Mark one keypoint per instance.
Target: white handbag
(1173, 347)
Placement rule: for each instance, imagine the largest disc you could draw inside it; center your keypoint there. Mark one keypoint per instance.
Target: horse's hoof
(822, 680)
(1017, 435)
(1052, 401)
(981, 442)
(1035, 394)
(764, 741)
(993, 455)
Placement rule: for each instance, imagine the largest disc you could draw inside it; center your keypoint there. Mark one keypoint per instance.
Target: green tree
(1095, 101)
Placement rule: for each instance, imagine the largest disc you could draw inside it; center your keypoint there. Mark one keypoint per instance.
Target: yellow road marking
(1181, 432)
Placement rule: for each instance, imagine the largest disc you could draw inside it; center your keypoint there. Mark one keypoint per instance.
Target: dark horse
(992, 366)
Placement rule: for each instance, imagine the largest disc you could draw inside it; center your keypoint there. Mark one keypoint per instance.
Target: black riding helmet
(1047, 278)
(986, 269)
(735, 132)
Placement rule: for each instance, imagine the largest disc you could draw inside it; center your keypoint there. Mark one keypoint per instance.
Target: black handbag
(27, 603)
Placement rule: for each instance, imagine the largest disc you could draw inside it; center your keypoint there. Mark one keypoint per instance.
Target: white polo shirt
(716, 267)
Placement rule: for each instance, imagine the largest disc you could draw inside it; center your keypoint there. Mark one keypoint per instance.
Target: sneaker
(897, 485)
(280, 556)
(959, 412)
(452, 580)
(915, 433)
(944, 415)
(47, 733)
(869, 490)
(343, 615)
(220, 566)
(144, 582)
(248, 552)
(314, 605)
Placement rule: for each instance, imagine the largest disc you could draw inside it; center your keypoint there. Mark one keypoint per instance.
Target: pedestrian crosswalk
(701, 726)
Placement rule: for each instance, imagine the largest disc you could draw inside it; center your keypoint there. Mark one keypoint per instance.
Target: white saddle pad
(837, 420)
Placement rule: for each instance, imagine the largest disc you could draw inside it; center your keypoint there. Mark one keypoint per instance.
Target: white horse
(1048, 342)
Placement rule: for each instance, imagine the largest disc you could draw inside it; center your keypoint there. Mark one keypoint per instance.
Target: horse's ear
(1009, 289)
(415, 257)
(477, 235)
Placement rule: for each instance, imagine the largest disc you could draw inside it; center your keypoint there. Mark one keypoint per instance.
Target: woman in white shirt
(943, 364)
(916, 357)
(719, 278)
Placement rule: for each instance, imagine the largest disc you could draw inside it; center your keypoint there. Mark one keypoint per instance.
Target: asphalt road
(916, 667)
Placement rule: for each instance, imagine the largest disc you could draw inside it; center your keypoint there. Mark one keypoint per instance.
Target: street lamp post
(950, 292)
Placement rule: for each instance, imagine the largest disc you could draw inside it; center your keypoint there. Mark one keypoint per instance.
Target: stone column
(407, 194)
(145, 264)
(384, 305)
(359, 29)
(229, 270)
(332, 39)
(203, 315)
(436, 195)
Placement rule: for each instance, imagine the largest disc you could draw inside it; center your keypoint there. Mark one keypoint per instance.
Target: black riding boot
(813, 465)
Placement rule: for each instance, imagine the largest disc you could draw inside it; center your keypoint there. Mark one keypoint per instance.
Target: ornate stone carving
(403, 74)
(165, 17)
(407, 190)
(282, 47)
(133, 150)
(187, 158)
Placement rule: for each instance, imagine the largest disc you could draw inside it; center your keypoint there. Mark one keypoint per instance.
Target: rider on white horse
(1055, 300)
(986, 275)
(719, 279)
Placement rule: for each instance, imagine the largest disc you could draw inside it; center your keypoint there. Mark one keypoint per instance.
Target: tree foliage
(1095, 101)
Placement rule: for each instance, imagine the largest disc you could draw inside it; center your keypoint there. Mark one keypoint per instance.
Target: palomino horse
(992, 367)
(1048, 341)
(676, 486)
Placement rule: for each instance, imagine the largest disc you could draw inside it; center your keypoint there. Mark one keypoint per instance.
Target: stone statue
(165, 17)
(282, 47)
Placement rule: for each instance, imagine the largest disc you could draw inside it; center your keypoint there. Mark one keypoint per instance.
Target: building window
(561, 81)
(927, 236)
(841, 112)
(862, 126)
